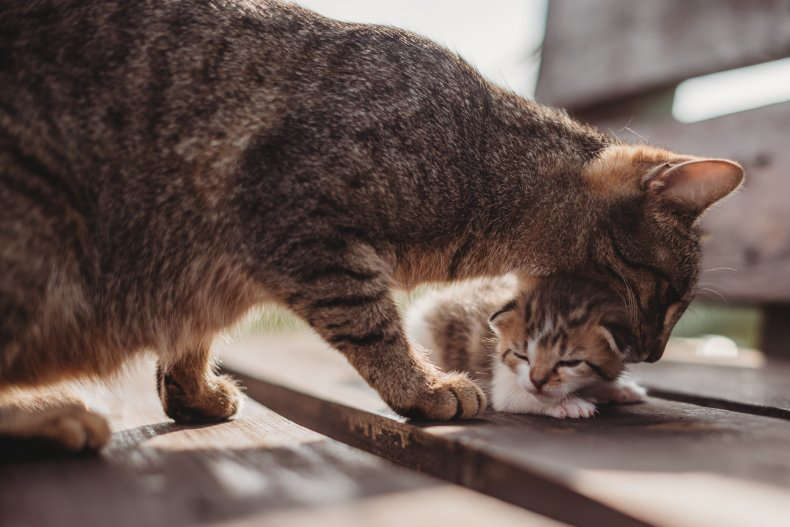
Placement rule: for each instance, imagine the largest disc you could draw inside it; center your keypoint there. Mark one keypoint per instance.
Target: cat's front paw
(571, 407)
(449, 396)
(628, 392)
(217, 399)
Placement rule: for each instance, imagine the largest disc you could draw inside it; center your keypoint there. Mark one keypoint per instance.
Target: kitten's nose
(537, 383)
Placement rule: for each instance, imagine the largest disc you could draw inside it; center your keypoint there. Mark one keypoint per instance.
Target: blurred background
(690, 76)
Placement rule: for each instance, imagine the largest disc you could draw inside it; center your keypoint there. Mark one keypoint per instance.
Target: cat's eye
(569, 363)
(522, 357)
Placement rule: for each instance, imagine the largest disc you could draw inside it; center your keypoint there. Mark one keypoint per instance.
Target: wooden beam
(597, 51)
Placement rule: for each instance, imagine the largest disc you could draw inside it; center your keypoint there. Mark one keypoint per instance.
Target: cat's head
(561, 334)
(647, 244)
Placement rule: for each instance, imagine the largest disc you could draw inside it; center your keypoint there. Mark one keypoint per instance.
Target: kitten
(555, 347)
(167, 165)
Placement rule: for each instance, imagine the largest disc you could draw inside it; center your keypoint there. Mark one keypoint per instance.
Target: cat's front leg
(360, 319)
(523, 403)
(191, 392)
(571, 407)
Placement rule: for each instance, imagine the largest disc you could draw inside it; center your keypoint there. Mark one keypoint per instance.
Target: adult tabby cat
(166, 165)
(554, 346)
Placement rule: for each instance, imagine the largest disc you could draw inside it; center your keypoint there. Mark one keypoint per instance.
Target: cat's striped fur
(165, 165)
(552, 346)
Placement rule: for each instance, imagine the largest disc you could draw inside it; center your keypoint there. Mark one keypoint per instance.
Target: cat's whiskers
(715, 269)
(718, 294)
(629, 299)
(642, 138)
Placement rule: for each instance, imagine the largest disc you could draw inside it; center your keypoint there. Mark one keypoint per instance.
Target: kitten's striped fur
(552, 346)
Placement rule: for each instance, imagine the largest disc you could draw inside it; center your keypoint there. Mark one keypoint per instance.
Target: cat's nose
(537, 383)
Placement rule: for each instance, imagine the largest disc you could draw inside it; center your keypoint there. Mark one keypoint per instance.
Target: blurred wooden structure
(616, 64)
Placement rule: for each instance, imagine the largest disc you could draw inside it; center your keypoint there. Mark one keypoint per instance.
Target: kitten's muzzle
(538, 383)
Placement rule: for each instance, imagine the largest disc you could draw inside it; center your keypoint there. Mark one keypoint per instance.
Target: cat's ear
(694, 185)
(504, 320)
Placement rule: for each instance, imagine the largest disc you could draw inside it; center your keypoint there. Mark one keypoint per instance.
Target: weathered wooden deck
(712, 449)
(260, 469)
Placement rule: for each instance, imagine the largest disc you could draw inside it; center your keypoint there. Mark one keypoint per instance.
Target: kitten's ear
(504, 320)
(618, 338)
(695, 185)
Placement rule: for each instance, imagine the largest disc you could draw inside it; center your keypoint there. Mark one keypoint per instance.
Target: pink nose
(537, 383)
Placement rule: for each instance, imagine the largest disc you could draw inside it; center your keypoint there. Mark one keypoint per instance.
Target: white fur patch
(508, 394)
(417, 330)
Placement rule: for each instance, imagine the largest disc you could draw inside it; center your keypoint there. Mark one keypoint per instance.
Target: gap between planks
(715, 402)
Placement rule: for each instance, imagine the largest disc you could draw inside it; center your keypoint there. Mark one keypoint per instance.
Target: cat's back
(113, 79)
(154, 84)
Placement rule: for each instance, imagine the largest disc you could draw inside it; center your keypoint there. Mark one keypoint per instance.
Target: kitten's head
(562, 334)
(647, 244)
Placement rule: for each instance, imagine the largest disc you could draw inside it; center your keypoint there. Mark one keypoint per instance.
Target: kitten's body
(164, 166)
(488, 327)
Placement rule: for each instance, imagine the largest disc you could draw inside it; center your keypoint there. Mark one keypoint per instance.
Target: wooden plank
(747, 249)
(758, 390)
(600, 50)
(662, 462)
(258, 470)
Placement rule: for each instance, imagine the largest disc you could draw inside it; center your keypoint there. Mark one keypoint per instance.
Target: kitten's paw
(450, 396)
(628, 392)
(573, 408)
(71, 427)
(621, 391)
(217, 399)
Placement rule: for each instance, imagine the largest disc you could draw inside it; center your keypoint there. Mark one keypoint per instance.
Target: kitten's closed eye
(519, 355)
(569, 363)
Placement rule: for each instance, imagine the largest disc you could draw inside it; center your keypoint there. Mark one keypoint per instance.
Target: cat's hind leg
(55, 416)
(42, 244)
(190, 390)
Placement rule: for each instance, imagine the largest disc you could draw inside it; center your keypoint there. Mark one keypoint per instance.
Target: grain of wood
(657, 461)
